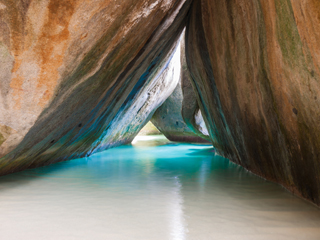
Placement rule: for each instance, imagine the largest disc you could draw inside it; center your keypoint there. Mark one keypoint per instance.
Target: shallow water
(151, 190)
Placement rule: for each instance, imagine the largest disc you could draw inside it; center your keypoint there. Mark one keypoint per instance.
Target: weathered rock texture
(168, 118)
(74, 71)
(70, 69)
(190, 110)
(169, 121)
(256, 65)
(136, 113)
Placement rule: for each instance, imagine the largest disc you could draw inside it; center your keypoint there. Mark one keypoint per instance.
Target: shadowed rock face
(72, 69)
(256, 67)
(190, 110)
(169, 119)
(134, 115)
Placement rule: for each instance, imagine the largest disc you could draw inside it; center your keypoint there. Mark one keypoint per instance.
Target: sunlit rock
(71, 69)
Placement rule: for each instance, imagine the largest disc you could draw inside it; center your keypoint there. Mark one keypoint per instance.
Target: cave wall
(135, 114)
(71, 68)
(169, 121)
(179, 117)
(190, 110)
(255, 64)
(73, 71)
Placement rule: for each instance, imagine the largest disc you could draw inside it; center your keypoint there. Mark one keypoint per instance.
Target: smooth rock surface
(180, 108)
(169, 121)
(70, 69)
(136, 113)
(75, 77)
(190, 109)
(256, 67)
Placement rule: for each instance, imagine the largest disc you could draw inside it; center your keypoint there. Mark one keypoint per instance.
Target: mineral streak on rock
(69, 69)
(255, 64)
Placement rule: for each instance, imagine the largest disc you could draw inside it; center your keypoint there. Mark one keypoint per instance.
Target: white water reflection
(176, 217)
(172, 191)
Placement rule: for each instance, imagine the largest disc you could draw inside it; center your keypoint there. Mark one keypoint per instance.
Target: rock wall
(256, 65)
(169, 119)
(75, 78)
(135, 114)
(190, 109)
(70, 68)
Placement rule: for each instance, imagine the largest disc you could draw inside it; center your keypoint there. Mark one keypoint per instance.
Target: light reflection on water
(160, 191)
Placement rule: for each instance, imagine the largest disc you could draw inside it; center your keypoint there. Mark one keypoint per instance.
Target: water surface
(151, 190)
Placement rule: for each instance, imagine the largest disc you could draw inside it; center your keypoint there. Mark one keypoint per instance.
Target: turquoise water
(151, 190)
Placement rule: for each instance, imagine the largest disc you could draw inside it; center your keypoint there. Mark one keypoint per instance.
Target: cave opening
(175, 113)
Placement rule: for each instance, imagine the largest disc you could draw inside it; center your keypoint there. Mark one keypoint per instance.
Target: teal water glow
(151, 190)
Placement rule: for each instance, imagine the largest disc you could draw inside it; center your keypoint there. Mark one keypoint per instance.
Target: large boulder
(179, 117)
(256, 65)
(190, 110)
(135, 114)
(78, 77)
(71, 71)
(168, 119)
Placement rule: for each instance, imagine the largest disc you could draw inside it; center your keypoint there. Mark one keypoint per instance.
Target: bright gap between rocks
(170, 102)
(149, 135)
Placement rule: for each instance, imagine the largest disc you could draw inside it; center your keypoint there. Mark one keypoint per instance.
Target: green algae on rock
(256, 67)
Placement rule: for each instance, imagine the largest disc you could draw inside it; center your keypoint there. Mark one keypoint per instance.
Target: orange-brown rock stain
(15, 16)
(51, 46)
(307, 16)
(16, 85)
(278, 77)
(265, 61)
